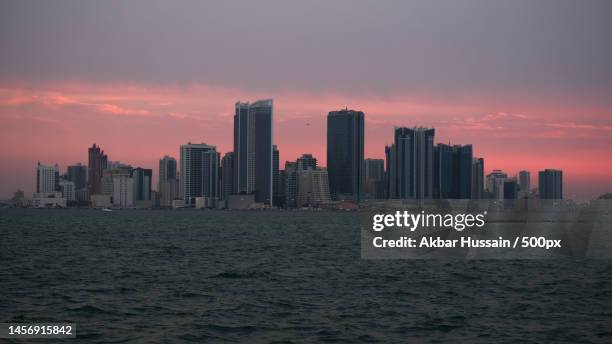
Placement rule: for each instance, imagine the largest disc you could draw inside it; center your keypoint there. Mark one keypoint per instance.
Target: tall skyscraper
(199, 172)
(227, 175)
(412, 158)
(290, 184)
(477, 178)
(524, 181)
(168, 187)
(345, 145)
(391, 172)
(78, 175)
(510, 189)
(97, 163)
(47, 179)
(142, 183)
(550, 184)
(253, 153)
(276, 176)
(452, 171)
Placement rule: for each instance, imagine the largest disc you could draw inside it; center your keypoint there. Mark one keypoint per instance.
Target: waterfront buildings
(495, 184)
(168, 187)
(47, 179)
(199, 172)
(477, 178)
(97, 164)
(374, 187)
(452, 171)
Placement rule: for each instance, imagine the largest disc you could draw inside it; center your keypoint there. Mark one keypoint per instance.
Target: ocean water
(278, 277)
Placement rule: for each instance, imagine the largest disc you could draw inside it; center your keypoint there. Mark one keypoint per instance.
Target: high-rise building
(524, 181)
(550, 184)
(290, 184)
(374, 170)
(168, 187)
(47, 179)
(253, 153)
(68, 190)
(510, 189)
(142, 183)
(495, 184)
(78, 175)
(199, 172)
(391, 172)
(452, 171)
(97, 164)
(227, 175)
(312, 187)
(123, 190)
(412, 158)
(345, 147)
(276, 177)
(477, 178)
(306, 162)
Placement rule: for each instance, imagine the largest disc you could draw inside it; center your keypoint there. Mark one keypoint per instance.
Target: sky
(528, 83)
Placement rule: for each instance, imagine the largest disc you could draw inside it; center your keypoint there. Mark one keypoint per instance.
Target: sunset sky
(528, 83)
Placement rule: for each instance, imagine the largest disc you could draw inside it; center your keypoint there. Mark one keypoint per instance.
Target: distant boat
(107, 209)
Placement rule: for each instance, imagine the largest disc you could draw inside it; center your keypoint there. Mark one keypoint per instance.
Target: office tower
(253, 154)
(510, 189)
(199, 172)
(495, 184)
(391, 172)
(97, 163)
(123, 190)
(412, 158)
(374, 170)
(550, 184)
(477, 178)
(290, 183)
(68, 190)
(345, 140)
(524, 181)
(312, 187)
(106, 182)
(452, 171)
(279, 196)
(47, 179)
(78, 175)
(227, 175)
(306, 162)
(142, 183)
(275, 173)
(168, 188)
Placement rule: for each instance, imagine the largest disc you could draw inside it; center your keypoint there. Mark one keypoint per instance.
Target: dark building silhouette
(374, 170)
(78, 175)
(510, 189)
(290, 173)
(276, 177)
(199, 172)
(306, 162)
(227, 175)
(452, 171)
(411, 165)
(345, 140)
(477, 178)
(98, 162)
(142, 183)
(253, 154)
(550, 184)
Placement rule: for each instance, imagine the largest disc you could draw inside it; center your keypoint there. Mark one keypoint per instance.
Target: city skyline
(526, 89)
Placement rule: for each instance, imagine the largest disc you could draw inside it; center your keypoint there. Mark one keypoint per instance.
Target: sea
(154, 276)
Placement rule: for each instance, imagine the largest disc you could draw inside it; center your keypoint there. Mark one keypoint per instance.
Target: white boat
(107, 209)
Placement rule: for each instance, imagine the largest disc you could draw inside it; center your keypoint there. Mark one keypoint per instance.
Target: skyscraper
(97, 163)
(253, 153)
(345, 140)
(495, 184)
(550, 184)
(47, 179)
(306, 162)
(78, 175)
(199, 172)
(142, 183)
(227, 175)
(452, 171)
(276, 175)
(168, 187)
(374, 170)
(412, 158)
(477, 178)
(524, 181)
